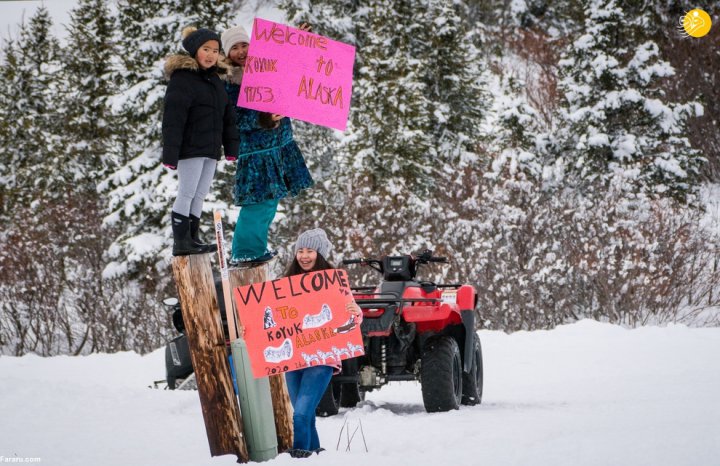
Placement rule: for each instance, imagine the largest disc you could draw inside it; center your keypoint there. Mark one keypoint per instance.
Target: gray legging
(195, 177)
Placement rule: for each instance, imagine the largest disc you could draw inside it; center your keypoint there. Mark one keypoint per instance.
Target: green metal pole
(255, 405)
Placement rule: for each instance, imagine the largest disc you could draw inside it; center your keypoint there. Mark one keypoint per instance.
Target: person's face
(306, 257)
(207, 54)
(238, 53)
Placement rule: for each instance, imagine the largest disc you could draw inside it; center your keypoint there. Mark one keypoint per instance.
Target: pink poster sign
(298, 74)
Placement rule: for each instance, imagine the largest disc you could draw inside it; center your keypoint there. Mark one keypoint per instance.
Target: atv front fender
(428, 313)
(468, 320)
(466, 297)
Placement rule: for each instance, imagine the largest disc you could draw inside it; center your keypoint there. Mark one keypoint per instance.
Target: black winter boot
(195, 235)
(183, 244)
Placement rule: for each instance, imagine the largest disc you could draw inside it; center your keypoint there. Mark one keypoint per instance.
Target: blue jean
(306, 388)
(251, 230)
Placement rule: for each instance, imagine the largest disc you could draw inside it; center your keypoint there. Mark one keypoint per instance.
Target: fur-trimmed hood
(233, 72)
(186, 62)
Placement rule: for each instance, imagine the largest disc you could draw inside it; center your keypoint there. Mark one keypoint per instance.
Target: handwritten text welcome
(298, 74)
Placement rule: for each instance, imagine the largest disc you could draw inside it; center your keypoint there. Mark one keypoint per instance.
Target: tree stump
(282, 408)
(201, 315)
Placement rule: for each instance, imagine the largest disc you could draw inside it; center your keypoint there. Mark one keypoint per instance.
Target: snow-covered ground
(582, 394)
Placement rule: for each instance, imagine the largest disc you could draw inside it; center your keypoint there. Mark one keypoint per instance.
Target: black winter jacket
(198, 116)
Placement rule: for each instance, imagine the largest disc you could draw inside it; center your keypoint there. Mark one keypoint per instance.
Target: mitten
(265, 120)
(171, 167)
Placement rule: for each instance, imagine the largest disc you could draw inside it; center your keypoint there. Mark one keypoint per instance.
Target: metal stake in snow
(350, 437)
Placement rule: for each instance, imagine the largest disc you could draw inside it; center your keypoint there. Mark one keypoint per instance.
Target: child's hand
(230, 158)
(268, 120)
(305, 27)
(355, 310)
(171, 167)
(276, 117)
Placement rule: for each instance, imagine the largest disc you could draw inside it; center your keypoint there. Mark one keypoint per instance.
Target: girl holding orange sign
(306, 386)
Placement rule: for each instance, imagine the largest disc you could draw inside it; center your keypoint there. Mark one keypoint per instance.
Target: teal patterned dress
(270, 165)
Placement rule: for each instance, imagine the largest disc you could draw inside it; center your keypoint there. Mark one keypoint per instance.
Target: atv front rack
(392, 306)
(368, 288)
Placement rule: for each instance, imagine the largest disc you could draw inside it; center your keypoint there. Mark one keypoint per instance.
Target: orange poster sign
(299, 321)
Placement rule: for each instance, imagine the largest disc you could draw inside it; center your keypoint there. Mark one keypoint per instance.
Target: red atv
(412, 330)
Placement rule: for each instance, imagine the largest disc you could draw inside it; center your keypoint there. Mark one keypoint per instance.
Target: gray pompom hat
(314, 239)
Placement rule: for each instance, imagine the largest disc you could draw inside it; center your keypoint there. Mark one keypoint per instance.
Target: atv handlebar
(437, 259)
(398, 268)
(369, 262)
(353, 261)
(372, 263)
(422, 259)
(426, 257)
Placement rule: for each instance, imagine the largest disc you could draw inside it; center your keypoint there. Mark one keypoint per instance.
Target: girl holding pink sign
(270, 165)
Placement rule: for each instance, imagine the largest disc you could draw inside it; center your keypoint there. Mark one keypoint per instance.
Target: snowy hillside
(582, 394)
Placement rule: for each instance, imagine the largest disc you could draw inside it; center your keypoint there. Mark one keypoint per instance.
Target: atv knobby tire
(441, 375)
(350, 393)
(330, 402)
(473, 382)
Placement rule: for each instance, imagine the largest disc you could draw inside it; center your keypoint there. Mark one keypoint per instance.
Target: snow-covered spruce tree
(456, 82)
(380, 198)
(334, 19)
(89, 129)
(626, 163)
(140, 190)
(102, 308)
(615, 119)
(388, 151)
(63, 226)
(148, 32)
(320, 145)
(30, 124)
(691, 59)
(11, 137)
(34, 222)
(391, 121)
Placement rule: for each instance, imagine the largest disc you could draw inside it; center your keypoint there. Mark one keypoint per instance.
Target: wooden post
(282, 408)
(201, 315)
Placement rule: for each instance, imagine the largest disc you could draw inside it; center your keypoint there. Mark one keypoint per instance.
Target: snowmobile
(179, 372)
(413, 330)
(178, 365)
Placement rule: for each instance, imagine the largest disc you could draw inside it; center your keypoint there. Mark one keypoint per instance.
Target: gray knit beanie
(194, 38)
(314, 239)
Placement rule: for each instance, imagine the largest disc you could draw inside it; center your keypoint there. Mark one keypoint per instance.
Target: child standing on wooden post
(270, 165)
(198, 119)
